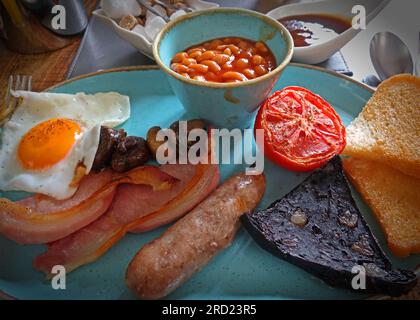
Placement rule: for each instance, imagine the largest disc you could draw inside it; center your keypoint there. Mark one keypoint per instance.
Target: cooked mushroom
(130, 153)
(108, 142)
(152, 143)
(191, 125)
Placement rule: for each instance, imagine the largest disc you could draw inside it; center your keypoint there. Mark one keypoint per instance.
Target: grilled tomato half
(302, 131)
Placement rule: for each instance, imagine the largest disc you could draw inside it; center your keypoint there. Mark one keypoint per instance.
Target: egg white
(90, 111)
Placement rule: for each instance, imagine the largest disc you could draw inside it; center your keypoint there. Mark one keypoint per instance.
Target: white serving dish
(318, 53)
(139, 41)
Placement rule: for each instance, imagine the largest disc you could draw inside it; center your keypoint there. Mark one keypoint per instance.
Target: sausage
(167, 262)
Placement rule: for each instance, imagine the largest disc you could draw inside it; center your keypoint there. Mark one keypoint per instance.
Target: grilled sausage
(167, 262)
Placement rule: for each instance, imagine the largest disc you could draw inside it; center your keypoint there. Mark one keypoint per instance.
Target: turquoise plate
(244, 270)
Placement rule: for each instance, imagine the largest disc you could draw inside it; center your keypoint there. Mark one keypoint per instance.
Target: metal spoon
(390, 55)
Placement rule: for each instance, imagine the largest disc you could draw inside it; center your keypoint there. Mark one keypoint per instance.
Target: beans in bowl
(225, 60)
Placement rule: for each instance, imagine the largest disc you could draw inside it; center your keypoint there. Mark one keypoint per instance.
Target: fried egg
(51, 140)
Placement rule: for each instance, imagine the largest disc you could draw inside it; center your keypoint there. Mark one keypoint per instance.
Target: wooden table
(47, 69)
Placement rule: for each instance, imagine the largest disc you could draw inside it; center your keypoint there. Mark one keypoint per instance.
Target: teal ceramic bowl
(226, 105)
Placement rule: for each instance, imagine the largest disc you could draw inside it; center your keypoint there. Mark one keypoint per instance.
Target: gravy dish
(315, 20)
(310, 29)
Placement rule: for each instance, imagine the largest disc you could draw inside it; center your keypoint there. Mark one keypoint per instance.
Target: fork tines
(18, 82)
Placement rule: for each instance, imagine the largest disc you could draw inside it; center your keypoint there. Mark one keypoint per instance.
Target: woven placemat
(47, 69)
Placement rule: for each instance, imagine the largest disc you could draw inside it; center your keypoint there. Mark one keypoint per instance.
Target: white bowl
(139, 41)
(320, 52)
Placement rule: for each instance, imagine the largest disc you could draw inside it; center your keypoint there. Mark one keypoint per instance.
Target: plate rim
(6, 296)
(155, 67)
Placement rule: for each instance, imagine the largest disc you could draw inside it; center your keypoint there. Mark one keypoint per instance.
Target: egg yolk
(47, 143)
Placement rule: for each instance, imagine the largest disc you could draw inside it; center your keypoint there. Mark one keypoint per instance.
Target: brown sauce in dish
(310, 29)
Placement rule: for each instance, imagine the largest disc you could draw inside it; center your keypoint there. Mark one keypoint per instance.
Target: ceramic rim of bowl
(284, 32)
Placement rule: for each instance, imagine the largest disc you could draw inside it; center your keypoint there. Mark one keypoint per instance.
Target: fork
(23, 83)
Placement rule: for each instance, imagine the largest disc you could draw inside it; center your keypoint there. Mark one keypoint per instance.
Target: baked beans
(225, 60)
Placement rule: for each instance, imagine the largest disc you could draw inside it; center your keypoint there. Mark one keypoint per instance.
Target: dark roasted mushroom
(191, 125)
(152, 143)
(130, 153)
(109, 139)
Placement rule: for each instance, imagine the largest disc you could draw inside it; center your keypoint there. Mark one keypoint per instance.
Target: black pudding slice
(319, 228)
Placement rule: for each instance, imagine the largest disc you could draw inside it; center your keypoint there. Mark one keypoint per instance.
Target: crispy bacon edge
(26, 226)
